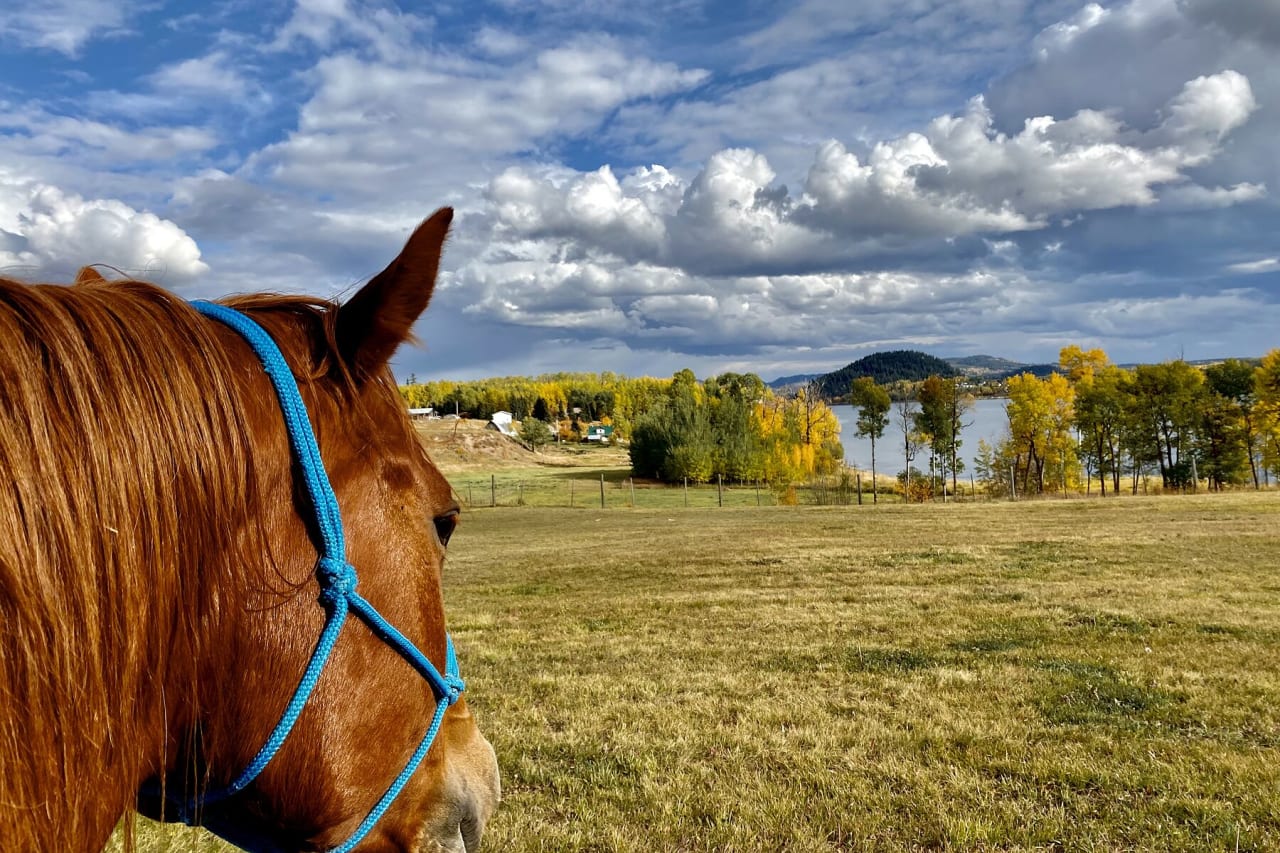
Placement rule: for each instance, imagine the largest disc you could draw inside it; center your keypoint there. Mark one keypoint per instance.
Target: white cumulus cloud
(48, 233)
(63, 25)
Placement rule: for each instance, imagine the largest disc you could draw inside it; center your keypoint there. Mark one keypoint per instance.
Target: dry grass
(1058, 675)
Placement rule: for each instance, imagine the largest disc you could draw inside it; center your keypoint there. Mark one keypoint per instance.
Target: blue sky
(641, 187)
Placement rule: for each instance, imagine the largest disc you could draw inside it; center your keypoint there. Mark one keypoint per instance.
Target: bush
(534, 433)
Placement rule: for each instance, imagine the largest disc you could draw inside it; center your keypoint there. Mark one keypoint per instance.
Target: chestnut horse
(158, 556)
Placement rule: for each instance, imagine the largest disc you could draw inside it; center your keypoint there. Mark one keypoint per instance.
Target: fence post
(757, 492)
(633, 492)
(493, 490)
(858, 480)
(471, 499)
(686, 492)
(602, 491)
(1013, 483)
(570, 493)
(720, 488)
(520, 493)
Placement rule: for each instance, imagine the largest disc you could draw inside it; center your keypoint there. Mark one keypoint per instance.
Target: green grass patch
(1081, 693)
(882, 661)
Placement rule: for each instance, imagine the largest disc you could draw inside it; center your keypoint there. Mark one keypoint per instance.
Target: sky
(645, 186)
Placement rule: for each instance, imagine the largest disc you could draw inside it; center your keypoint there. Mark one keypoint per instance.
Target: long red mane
(104, 467)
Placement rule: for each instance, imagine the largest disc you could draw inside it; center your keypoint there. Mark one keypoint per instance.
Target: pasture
(1052, 675)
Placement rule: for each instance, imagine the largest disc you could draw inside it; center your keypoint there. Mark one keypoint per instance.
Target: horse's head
(370, 708)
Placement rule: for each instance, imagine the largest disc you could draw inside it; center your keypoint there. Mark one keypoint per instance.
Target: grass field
(1052, 675)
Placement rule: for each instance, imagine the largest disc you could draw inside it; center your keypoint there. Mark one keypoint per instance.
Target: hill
(885, 367)
(465, 446)
(791, 383)
(985, 365)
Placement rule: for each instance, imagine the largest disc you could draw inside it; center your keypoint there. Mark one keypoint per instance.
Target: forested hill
(885, 367)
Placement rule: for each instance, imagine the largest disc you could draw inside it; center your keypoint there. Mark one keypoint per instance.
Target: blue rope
(337, 579)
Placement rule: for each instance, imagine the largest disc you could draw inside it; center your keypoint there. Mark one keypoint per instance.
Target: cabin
(598, 432)
(422, 414)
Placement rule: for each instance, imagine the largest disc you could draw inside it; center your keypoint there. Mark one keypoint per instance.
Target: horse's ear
(88, 275)
(380, 316)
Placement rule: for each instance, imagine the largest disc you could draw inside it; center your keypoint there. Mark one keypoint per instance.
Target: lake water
(986, 420)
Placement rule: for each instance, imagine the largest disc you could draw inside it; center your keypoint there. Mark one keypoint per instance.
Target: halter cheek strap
(337, 579)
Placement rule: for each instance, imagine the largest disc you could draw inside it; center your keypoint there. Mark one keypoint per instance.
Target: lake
(986, 420)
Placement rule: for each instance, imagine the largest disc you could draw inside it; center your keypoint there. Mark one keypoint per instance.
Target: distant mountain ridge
(902, 365)
(991, 367)
(911, 365)
(914, 366)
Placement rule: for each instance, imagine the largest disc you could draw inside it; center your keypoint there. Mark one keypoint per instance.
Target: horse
(159, 592)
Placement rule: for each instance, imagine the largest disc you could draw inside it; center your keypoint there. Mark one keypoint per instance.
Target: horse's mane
(124, 454)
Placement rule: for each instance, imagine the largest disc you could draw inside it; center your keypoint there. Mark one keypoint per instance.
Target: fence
(615, 490)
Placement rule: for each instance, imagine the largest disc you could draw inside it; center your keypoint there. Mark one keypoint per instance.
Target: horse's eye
(445, 525)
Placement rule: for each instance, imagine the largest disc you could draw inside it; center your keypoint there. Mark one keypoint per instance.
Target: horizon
(413, 379)
(769, 188)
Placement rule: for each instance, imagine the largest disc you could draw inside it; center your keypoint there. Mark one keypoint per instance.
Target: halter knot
(455, 686)
(337, 579)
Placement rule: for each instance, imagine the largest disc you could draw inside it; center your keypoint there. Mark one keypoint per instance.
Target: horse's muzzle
(472, 790)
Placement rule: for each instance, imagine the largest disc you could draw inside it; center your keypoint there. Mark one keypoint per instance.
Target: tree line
(1219, 425)
(1094, 421)
(565, 401)
(732, 426)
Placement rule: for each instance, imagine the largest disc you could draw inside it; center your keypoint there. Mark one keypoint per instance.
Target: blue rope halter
(338, 594)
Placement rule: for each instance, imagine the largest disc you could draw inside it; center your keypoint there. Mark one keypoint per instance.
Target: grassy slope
(1073, 675)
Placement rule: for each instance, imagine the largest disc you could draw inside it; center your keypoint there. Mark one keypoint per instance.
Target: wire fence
(613, 491)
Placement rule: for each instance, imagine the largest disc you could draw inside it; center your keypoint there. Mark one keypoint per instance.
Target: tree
(872, 403)
(534, 433)
(1233, 381)
(990, 470)
(1099, 418)
(1266, 384)
(733, 397)
(1040, 414)
(1221, 451)
(907, 411)
(1169, 399)
(939, 420)
(1078, 364)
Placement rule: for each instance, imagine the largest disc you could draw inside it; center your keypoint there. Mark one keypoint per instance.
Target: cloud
(1254, 267)
(48, 233)
(959, 177)
(386, 31)
(731, 261)
(1211, 106)
(1257, 20)
(36, 131)
(63, 26)
(1196, 197)
(370, 124)
(963, 176)
(214, 74)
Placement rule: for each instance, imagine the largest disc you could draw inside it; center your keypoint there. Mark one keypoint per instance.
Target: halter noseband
(337, 579)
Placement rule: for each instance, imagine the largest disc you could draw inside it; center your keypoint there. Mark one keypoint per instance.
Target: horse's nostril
(471, 830)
